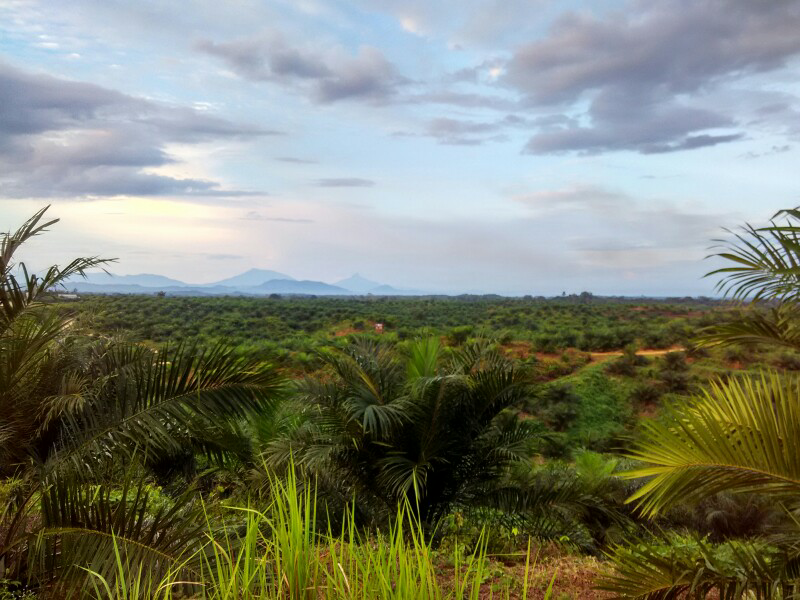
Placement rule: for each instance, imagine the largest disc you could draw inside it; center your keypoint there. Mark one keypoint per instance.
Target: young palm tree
(742, 435)
(386, 428)
(81, 418)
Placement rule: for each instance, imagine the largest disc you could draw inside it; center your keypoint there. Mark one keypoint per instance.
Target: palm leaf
(777, 326)
(16, 296)
(423, 358)
(154, 399)
(741, 435)
(766, 261)
(83, 527)
(693, 568)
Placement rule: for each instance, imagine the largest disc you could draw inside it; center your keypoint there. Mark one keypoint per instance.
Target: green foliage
(680, 567)
(627, 363)
(388, 428)
(740, 435)
(644, 393)
(558, 406)
(278, 553)
(280, 329)
(134, 468)
(766, 261)
(81, 419)
(604, 414)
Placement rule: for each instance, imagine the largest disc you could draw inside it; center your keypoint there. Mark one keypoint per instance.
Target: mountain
(292, 286)
(143, 279)
(253, 277)
(356, 283)
(252, 282)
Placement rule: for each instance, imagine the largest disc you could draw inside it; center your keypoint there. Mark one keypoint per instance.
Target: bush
(459, 335)
(627, 363)
(790, 361)
(558, 407)
(674, 382)
(673, 372)
(644, 393)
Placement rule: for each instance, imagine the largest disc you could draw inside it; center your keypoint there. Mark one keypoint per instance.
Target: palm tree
(82, 417)
(387, 428)
(740, 436)
(29, 332)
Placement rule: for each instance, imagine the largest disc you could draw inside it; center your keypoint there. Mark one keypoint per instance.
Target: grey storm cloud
(344, 182)
(325, 76)
(645, 70)
(63, 138)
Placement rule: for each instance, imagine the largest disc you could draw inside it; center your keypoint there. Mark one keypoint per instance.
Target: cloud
(646, 72)
(461, 132)
(224, 256)
(344, 182)
(463, 22)
(578, 197)
(324, 75)
(608, 228)
(66, 138)
(576, 238)
(775, 149)
(295, 160)
(464, 100)
(256, 216)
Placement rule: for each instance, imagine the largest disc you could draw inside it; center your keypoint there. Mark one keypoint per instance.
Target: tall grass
(278, 555)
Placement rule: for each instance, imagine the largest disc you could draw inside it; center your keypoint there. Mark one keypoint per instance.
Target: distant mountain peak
(357, 283)
(252, 277)
(292, 286)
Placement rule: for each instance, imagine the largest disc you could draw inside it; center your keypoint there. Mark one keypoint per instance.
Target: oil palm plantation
(82, 418)
(740, 436)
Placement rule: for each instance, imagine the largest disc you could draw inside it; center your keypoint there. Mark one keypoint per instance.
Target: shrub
(558, 406)
(789, 361)
(644, 393)
(627, 363)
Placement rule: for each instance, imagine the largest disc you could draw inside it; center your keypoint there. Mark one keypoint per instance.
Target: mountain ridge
(251, 282)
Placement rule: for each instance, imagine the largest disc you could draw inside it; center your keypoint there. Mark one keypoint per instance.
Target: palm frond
(423, 358)
(777, 326)
(153, 400)
(81, 525)
(694, 568)
(741, 435)
(12, 241)
(766, 261)
(17, 296)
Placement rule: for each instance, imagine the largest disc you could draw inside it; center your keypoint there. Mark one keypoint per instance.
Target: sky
(490, 146)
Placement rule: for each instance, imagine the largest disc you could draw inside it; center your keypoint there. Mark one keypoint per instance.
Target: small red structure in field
(378, 327)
